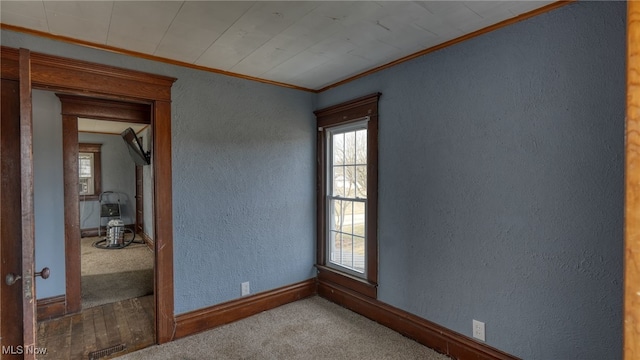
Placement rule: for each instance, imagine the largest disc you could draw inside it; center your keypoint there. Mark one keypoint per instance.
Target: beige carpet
(112, 275)
(313, 328)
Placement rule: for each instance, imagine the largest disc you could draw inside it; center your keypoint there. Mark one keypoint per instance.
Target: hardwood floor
(79, 336)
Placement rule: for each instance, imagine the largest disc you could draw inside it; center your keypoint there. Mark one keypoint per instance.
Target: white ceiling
(309, 44)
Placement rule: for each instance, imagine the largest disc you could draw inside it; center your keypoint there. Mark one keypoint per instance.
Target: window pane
(334, 245)
(358, 254)
(341, 222)
(343, 254)
(338, 149)
(361, 151)
(347, 234)
(348, 252)
(336, 222)
(85, 165)
(359, 219)
(347, 226)
(349, 185)
(338, 181)
(350, 148)
(361, 181)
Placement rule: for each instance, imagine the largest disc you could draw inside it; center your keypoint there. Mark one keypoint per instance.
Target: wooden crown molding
(116, 50)
(146, 56)
(457, 40)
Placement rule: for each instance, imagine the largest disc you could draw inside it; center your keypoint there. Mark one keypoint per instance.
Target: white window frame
(360, 124)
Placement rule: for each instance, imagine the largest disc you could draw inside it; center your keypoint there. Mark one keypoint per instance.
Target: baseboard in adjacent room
(91, 232)
(430, 334)
(51, 307)
(210, 317)
(147, 240)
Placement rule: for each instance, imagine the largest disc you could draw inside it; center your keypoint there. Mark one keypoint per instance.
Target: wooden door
(139, 201)
(10, 222)
(18, 309)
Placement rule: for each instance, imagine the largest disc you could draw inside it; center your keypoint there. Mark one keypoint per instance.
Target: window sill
(361, 286)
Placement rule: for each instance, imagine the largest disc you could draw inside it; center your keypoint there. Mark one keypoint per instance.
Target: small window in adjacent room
(89, 171)
(347, 195)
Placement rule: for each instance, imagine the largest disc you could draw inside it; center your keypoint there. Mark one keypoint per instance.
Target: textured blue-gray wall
(118, 175)
(243, 178)
(243, 189)
(501, 183)
(48, 193)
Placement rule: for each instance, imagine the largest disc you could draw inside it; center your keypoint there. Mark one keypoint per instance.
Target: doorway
(71, 76)
(109, 275)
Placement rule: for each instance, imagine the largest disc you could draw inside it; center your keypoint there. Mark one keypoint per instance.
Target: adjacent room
(470, 197)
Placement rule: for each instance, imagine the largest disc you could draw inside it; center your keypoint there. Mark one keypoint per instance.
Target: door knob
(11, 278)
(44, 273)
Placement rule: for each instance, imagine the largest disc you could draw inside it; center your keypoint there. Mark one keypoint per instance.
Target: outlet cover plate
(245, 288)
(478, 330)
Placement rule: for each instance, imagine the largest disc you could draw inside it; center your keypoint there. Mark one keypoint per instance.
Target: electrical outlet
(478, 330)
(245, 288)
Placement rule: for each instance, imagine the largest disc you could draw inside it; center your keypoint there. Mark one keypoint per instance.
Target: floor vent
(94, 355)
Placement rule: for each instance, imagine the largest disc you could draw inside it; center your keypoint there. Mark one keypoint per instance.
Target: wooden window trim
(351, 111)
(97, 169)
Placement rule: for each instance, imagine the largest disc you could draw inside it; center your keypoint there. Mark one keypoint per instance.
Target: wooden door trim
(27, 209)
(105, 109)
(90, 79)
(73, 107)
(632, 188)
(70, 148)
(163, 223)
(86, 78)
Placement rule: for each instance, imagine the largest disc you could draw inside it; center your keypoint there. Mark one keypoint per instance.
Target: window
(89, 171)
(347, 195)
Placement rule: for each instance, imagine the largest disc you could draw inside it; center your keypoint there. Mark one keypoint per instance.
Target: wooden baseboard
(51, 307)
(147, 240)
(91, 232)
(432, 335)
(208, 318)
